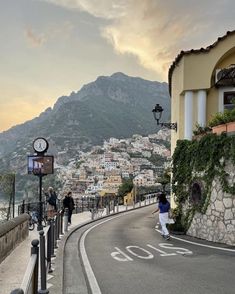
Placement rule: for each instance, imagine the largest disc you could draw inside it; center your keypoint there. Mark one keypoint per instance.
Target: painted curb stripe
(199, 244)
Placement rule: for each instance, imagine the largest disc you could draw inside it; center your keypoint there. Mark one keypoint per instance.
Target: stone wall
(218, 223)
(12, 233)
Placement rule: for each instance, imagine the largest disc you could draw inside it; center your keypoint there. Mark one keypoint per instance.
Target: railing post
(55, 233)
(66, 217)
(58, 219)
(61, 223)
(92, 213)
(57, 227)
(49, 253)
(52, 238)
(35, 250)
(43, 289)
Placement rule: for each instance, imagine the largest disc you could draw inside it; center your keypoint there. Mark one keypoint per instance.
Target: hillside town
(102, 170)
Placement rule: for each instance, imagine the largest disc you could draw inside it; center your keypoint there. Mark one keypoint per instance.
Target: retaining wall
(12, 233)
(218, 223)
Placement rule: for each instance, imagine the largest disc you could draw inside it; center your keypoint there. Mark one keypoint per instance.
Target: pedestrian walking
(51, 199)
(68, 202)
(163, 208)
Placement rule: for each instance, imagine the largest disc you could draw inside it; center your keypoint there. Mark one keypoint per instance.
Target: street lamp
(157, 113)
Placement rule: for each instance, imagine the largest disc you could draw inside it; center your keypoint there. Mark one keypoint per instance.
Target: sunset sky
(49, 48)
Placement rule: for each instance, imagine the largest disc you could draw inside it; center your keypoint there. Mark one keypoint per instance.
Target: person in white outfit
(163, 208)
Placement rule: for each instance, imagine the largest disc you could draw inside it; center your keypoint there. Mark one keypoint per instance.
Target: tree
(126, 187)
(164, 179)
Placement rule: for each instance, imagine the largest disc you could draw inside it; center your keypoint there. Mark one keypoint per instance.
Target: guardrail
(41, 253)
(44, 249)
(12, 232)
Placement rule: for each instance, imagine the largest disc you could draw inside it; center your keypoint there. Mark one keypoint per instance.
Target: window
(196, 192)
(229, 100)
(226, 98)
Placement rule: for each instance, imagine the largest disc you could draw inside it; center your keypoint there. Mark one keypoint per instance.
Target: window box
(219, 129)
(231, 127)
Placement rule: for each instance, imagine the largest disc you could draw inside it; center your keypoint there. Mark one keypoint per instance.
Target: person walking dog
(163, 208)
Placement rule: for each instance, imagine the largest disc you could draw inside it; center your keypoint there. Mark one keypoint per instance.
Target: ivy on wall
(200, 161)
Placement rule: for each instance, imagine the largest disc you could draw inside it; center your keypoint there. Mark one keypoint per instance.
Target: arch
(219, 61)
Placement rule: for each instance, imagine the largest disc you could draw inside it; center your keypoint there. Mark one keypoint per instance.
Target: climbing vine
(200, 161)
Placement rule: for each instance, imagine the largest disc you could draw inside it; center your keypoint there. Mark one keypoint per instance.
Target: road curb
(58, 273)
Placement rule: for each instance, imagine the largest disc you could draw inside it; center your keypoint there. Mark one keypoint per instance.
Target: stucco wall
(218, 223)
(12, 233)
(195, 71)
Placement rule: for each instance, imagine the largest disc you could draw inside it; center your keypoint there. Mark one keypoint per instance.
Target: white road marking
(163, 253)
(120, 252)
(149, 254)
(179, 250)
(95, 289)
(199, 244)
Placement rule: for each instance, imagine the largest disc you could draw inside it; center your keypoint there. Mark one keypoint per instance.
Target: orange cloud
(155, 31)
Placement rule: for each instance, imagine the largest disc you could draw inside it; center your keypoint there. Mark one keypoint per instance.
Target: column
(201, 115)
(188, 115)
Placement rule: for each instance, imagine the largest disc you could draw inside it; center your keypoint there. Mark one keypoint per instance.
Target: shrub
(222, 118)
(201, 130)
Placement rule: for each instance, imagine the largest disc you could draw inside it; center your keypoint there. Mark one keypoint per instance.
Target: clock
(40, 145)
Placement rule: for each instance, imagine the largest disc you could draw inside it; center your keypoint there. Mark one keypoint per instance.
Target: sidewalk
(13, 268)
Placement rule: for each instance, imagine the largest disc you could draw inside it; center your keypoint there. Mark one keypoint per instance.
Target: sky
(50, 48)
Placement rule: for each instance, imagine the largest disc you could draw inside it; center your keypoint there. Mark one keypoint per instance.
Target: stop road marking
(142, 253)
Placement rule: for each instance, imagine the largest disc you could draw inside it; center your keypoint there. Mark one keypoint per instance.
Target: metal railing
(42, 251)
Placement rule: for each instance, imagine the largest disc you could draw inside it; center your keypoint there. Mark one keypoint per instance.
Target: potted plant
(218, 123)
(231, 121)
(223, 122)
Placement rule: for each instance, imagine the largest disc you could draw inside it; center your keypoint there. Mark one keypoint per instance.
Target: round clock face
(40, 145)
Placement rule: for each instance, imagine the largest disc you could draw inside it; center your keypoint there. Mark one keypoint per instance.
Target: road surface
(126, 254)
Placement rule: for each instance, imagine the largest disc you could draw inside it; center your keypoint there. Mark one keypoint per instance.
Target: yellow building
(129, 198)
(201, 83)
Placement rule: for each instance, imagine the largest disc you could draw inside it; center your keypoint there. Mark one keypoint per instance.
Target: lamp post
(157, 113)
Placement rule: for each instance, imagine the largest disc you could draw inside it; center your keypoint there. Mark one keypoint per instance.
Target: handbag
(170, 217)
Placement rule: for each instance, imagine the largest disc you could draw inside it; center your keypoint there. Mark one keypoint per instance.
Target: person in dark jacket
(163, 208)
(51, 199)
(68, 202)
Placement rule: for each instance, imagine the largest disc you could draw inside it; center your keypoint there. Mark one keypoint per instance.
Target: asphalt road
(125, 254)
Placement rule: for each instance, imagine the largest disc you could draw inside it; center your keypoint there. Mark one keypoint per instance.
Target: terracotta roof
(182, 53)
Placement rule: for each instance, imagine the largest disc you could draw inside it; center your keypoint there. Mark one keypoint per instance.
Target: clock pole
(40, 146)
(40, 227)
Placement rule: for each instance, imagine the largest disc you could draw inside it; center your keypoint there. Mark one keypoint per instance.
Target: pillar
(201, 115)
(188, 115)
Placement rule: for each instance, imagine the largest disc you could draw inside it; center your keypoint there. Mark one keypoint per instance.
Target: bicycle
(33, 219)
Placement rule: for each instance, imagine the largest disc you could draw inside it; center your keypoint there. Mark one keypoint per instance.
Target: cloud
(34, 39)
(54, 31)
(108, 9)
(155, 31)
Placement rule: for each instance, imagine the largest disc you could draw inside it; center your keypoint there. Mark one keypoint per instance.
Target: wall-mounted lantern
(157, 113)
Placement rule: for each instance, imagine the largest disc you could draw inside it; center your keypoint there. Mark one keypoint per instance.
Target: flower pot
(231, 127)
(219, 129)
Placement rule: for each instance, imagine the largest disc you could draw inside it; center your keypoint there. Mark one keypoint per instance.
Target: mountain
(112, 106)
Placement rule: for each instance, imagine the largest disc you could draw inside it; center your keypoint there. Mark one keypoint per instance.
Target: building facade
(201, 83)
